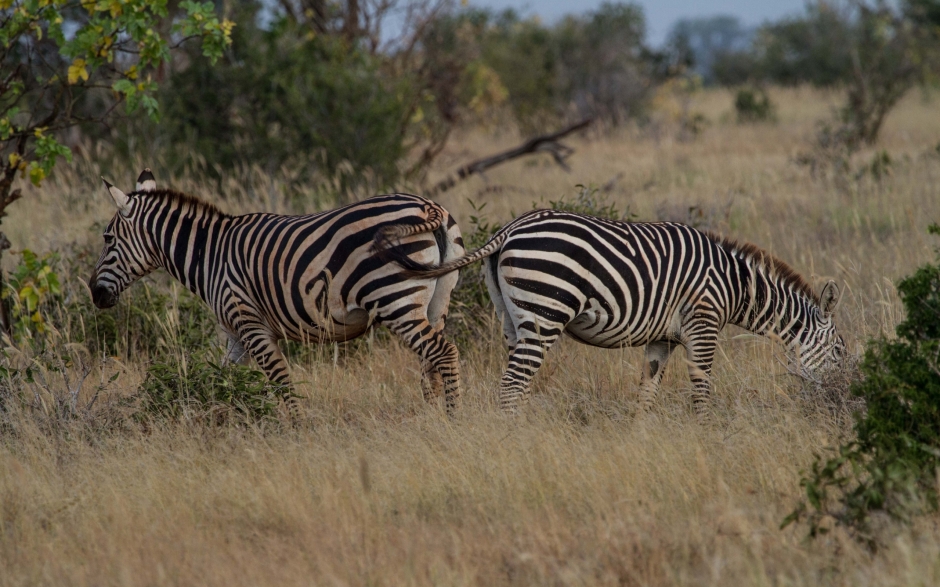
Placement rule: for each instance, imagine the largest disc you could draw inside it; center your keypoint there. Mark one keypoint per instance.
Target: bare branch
(540, 144)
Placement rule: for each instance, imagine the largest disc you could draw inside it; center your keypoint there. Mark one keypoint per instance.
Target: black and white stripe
(659, 285)
(311, 278)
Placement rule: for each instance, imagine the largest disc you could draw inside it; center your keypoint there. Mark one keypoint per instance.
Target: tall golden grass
(375, 487)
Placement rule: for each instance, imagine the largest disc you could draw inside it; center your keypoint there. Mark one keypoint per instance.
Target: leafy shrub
(203, 390)
(891, 465)
(50, 298)
(34, 289)
(753, 105)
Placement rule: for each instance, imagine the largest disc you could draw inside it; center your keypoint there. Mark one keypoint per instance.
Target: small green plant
(588, 201)
(753, 105)
(33, 288)
(891, 465)
(203, 390)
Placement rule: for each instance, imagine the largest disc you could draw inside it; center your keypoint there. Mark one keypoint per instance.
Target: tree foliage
(64, 62)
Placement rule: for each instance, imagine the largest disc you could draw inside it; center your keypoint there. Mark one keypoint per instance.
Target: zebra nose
(102, 296)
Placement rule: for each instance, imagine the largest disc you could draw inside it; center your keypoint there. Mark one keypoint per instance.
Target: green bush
(204, 391)
(753, 105)
(33, 288)
(891, 465)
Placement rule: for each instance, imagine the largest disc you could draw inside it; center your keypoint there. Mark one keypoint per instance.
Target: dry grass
(374, 487)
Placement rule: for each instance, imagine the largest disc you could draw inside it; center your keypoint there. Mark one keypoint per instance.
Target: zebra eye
(109, 239)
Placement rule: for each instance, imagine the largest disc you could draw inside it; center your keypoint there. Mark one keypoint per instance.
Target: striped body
(309, 278)
(659, 285)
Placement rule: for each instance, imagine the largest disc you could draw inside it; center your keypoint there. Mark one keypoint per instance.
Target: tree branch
(540, 144)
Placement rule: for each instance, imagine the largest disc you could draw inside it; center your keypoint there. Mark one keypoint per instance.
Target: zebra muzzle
(102, 296)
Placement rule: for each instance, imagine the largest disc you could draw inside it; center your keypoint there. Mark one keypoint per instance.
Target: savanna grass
(372, 486)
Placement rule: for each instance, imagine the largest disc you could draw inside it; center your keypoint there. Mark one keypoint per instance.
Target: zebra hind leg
(657, 353)
(437, 354)
(432, 383)
(525, 358)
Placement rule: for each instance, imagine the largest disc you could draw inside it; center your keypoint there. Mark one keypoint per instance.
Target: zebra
(614, 284)
(310, 278)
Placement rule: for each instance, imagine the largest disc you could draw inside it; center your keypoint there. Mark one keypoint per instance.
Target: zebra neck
(771, 307)
(190, 249)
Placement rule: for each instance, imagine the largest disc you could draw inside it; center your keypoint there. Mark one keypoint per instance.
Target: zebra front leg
(261, 345)
(235, 352)
(701, 354)
(657, 353)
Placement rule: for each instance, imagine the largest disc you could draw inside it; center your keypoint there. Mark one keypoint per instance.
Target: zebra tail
(386, 250)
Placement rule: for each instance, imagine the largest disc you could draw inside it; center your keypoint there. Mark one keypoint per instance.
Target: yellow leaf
(77, 71)
(14, 157)
(36, 175)
(131, 73)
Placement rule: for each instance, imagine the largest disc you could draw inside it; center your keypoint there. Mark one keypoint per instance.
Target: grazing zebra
(304, 278)
(659, 285)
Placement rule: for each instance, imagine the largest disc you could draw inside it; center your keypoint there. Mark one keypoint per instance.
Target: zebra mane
(173, 196)
(774, 267)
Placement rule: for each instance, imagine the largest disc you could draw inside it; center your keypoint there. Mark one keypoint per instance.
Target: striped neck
(184, 233)
(771, 304)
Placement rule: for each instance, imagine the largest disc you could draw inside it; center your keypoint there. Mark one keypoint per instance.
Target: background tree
(703, 43)
(65, 63)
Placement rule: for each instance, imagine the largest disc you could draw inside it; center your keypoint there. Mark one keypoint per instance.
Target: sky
(660, 14)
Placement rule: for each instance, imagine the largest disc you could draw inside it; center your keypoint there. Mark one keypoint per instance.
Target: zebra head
(821, 347)
(126, 256)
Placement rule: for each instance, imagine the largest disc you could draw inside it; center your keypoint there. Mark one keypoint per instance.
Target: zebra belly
(352, 325)
(596, 328)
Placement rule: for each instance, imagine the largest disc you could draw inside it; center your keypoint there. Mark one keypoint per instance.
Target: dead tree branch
(541, 144)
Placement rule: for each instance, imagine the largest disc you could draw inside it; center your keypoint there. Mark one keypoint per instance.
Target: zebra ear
(120, 198)
(146, 181)
(829, 298)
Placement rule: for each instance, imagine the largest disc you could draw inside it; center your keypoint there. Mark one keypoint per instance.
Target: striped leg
(701, 340)
(436, 353)
(262, 346)
(432, 384)
(525, 358)
(235, 352)
(657, 353)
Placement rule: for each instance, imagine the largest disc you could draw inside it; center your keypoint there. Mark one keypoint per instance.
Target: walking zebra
(309, 278)
(613, 284)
